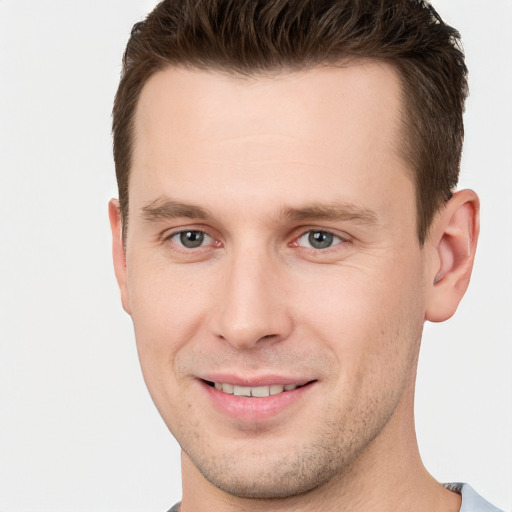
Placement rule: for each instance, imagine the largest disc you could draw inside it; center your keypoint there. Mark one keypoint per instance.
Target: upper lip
(254, 381)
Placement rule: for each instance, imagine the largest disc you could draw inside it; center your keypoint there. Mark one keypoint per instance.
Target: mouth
(255, 391)
(253, 401)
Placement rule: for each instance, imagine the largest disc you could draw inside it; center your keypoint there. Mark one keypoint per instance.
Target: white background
(78, 432)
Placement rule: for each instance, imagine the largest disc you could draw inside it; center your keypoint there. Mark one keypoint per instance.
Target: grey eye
(190, 239)
(318, 239)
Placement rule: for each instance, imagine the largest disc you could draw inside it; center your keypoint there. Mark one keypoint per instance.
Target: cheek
(168, 307)
(167, 312)
(370, 316)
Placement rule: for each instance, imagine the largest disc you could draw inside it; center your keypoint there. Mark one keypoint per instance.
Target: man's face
(272, 243)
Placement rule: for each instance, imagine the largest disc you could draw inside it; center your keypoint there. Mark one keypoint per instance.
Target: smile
(254, 391)
(253, 404)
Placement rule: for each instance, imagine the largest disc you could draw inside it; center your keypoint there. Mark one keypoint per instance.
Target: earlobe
(118, 251)
(452, 245)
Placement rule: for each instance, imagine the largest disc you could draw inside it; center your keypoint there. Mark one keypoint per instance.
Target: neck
(388, 476)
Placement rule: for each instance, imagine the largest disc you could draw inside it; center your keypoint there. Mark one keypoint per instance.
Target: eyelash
(334, 238)
(181, 232)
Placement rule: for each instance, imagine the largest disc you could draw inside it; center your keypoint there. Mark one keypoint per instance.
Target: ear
(118, 252)
(452, 244)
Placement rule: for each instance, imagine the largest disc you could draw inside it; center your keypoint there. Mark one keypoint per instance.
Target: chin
(256, 476)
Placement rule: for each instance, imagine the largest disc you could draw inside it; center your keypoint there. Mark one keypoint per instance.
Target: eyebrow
(167, 208)
(331, 212)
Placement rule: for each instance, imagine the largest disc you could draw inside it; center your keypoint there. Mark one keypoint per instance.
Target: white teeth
(241, 391)
(257, 391)
(275, 389)
(228, 388)
(260, 391)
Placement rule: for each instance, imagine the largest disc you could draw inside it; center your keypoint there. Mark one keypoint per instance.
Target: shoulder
(471, 500)
(176, 508)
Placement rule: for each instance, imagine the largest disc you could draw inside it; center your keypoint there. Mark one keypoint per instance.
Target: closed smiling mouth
(255, 391)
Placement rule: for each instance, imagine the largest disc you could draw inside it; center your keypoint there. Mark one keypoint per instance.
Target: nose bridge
(252, 305)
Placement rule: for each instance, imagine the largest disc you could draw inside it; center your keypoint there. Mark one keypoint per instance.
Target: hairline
(403, 146)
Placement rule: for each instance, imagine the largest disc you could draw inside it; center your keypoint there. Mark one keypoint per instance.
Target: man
(287, 221)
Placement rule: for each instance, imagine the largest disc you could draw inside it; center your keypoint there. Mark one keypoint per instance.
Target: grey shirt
(471, 501)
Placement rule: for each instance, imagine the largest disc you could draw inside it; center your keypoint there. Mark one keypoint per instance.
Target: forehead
(196, 102)
(340, 124)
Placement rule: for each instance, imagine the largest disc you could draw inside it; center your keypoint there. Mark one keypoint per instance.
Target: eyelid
(207, 239)
(335, 240)
(168, 234)
(344, 237)
(171, 231)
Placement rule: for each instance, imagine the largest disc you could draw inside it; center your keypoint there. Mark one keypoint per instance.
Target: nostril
(268, 336)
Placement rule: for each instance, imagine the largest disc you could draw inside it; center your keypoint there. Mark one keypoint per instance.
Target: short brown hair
(262, 36)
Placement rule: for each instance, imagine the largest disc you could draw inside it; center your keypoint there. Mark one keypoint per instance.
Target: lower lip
(254, 409)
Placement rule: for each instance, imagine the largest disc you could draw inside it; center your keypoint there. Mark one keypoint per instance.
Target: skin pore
(272, 239)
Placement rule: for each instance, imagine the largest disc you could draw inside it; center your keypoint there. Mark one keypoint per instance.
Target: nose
(253, 306)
